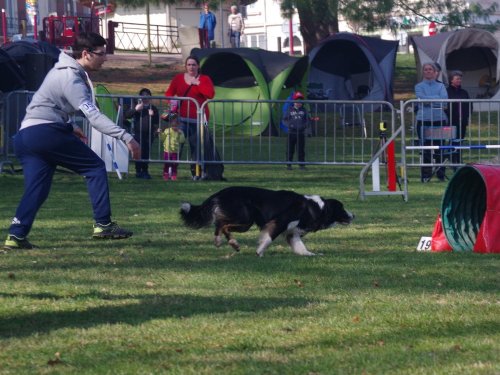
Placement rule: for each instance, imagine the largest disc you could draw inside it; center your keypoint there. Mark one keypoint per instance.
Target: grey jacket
(64, 91)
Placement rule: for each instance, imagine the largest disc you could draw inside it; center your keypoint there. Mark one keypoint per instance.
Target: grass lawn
(166, 301)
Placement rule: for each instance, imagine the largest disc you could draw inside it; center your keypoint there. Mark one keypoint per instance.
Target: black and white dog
(236, 209)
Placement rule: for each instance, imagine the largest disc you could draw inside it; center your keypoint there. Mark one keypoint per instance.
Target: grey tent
(348, 66)
(473, 51)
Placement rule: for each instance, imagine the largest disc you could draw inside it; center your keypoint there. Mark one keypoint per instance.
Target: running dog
(236, 209)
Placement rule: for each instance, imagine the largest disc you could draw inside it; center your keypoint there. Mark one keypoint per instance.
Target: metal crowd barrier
(479, 143)
(341, 133)
(350, 133)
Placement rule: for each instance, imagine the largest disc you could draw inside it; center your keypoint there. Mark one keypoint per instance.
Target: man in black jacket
(458, 113)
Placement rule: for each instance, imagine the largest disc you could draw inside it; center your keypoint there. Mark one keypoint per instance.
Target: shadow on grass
(148, 308)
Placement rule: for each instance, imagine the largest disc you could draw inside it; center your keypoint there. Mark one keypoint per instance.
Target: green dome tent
(249, 74)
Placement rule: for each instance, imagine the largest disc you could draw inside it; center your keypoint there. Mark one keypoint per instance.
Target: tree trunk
(318, 19)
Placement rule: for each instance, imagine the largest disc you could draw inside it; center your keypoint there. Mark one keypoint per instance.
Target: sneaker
(110, 231)
(425, 179)
(166, 176)
(139, 175)
(14, 243)
(146, 176)
(173, 178)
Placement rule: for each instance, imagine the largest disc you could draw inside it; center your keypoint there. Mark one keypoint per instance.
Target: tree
(320, 18)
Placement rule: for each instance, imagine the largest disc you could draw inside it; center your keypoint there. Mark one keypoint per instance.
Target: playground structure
(61, 31)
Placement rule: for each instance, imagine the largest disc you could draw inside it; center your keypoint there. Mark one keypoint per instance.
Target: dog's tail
(197, 216)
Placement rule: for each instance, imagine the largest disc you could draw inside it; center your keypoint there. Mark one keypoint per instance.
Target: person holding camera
(146, 119)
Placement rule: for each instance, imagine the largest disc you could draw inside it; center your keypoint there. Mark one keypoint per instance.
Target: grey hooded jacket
(65, 91)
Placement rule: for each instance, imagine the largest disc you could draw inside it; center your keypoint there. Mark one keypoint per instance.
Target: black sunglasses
(98, 53)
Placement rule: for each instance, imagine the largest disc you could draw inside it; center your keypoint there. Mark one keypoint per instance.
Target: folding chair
(438, 136)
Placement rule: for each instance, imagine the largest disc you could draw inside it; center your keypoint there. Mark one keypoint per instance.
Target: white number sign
(424, 244)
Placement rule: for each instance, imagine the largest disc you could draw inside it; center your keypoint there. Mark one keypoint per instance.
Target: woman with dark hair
(191, 84)
(146, 120)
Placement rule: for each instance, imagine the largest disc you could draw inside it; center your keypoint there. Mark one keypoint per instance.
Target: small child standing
(173, 139)
(297, 121)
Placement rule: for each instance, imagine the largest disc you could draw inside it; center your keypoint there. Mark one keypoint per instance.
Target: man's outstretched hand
(135, 149)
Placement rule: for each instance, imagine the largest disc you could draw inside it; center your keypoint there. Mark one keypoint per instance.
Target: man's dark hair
(87, 41)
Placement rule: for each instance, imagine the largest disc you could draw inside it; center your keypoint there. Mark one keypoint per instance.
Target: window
(296, 42)
(256, 40)
(297, 45)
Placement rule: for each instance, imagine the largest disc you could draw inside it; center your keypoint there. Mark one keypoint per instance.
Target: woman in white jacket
(236, 27)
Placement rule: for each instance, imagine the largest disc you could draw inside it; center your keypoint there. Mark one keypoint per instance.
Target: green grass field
(166, 301)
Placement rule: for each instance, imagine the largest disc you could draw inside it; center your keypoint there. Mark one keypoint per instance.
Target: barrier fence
(372, 135)
(134, 37)
(479, 142)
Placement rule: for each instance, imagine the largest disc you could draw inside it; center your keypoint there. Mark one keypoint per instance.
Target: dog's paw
(217, 241)
(234, 244)
(309, 254)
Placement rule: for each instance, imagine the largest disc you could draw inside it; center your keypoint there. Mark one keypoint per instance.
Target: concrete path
(129, 60)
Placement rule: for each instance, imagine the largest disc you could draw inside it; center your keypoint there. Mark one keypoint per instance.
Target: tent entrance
(479, 64)
(236, 72)
(346, 68)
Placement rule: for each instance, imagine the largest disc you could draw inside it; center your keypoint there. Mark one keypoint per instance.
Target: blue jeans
(40, 149)
(235, 39)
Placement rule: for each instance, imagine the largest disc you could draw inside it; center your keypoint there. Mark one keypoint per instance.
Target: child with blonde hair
(173, 139)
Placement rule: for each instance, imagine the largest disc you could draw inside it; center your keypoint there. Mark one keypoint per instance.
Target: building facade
(20, 15)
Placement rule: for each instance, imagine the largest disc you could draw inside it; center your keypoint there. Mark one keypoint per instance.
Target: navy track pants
(40, 149)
